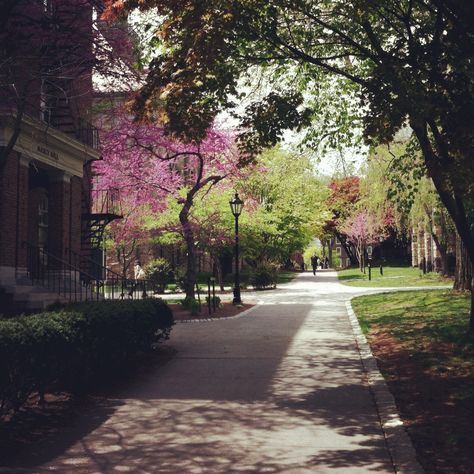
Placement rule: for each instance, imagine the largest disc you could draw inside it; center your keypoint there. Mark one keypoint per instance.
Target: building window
(338, 250)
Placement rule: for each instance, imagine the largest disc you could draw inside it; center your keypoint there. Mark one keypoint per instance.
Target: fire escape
(100, 208)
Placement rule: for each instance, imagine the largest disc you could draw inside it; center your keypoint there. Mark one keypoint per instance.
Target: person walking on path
(314, 263)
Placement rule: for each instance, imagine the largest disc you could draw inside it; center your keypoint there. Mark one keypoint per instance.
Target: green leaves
(289, 207)
(264, 122)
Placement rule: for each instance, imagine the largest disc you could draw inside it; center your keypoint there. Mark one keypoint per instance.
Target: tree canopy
(409, 62)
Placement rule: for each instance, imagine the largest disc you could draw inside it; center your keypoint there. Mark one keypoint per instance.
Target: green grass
(426, 355)
(424, 322)
(393, 276)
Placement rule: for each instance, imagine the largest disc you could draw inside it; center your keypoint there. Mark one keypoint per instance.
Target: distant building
(337, 255)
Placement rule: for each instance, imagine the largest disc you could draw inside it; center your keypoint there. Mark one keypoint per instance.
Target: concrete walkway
(280, 389)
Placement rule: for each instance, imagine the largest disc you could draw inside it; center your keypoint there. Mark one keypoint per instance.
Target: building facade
(46, 147)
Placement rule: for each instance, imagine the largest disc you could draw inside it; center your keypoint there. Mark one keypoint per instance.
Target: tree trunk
(190, 278)
(217, 270)
(443, 251)
(346, 247)
(444, 264)
(452, 198)
(463, 274)
(471, 319)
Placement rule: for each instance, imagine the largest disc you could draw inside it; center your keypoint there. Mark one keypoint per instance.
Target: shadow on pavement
(273, 392)
(182, 437)
(38, 435)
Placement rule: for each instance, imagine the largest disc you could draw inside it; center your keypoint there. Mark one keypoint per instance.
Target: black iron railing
(80, 278)
(49, 271)
(113, 285)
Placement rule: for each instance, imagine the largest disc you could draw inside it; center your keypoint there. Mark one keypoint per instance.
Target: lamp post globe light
(236, 206)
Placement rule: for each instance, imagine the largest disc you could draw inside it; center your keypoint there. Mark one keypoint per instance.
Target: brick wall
(13, 211)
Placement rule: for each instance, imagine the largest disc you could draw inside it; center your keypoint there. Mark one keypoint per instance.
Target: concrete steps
(22, 297)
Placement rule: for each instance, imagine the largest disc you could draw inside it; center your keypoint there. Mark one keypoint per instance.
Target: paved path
(279, 390)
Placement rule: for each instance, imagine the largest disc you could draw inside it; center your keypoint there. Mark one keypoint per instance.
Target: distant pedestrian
(138, 271)
(139, 275)
(326, 262)
(314, 263)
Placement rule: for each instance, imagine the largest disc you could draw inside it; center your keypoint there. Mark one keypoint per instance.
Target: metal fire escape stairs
(100, 208)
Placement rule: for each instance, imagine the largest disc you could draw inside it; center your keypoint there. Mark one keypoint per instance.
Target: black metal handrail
(49, 271)
(114, 285)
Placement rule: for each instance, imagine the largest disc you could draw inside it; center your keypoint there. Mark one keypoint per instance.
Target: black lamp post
(381, 256)
(369, 254)
(236, 205)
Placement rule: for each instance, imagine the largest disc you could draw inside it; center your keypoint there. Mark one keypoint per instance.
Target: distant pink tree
(362, 230)
(126, 234)
(147, 167)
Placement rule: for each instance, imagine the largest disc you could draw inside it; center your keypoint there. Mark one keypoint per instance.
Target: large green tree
(285, 207)
(410, 62)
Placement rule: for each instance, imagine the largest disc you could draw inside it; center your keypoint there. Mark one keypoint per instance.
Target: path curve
(280, 390)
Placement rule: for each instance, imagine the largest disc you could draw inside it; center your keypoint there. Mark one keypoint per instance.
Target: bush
(192, 305)
(159, 273)
(180, 278)
(69, 347)
(203, 277)
(264, 276)
(246, 278)
(214, 299)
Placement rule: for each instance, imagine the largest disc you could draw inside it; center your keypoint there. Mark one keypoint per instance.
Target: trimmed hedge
(71, 346)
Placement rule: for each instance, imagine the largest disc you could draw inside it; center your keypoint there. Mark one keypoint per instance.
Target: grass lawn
(393, 276)
(423, 349)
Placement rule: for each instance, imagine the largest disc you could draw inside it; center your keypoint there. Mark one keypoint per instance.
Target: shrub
(264, 276)
(245, 279)
(203, 277)
(214, 299)
(180, 278)
(69, 347)
(158, 272)
(192, 305)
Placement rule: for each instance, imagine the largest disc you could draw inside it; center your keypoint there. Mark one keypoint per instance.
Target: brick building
(46, 147)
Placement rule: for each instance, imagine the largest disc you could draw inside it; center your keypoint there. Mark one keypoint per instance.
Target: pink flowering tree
(124, 236)
(362, 229)
(148, 168)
